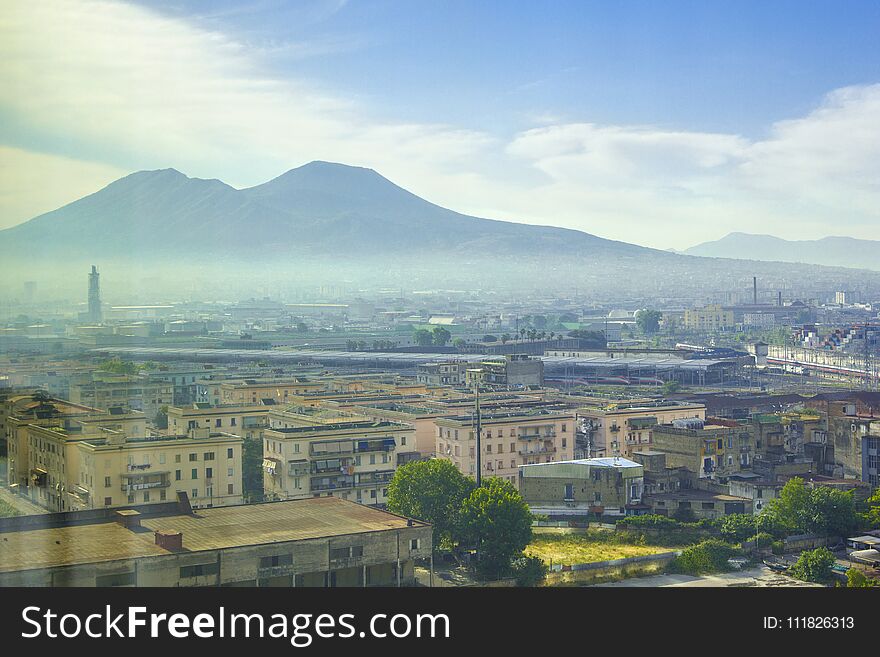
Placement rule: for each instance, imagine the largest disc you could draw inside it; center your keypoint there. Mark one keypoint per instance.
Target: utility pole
(478, 428)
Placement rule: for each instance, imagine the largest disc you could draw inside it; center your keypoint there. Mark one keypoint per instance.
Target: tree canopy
(432, 491)
(497, 521)
(648, 321)
(821, 510)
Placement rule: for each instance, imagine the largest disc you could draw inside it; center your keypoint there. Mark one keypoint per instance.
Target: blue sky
(624, 119)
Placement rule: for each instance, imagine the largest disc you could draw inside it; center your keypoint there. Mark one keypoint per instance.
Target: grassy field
(7, 510)
(585, 548)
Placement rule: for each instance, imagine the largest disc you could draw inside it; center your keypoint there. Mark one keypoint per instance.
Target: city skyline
(664, 128)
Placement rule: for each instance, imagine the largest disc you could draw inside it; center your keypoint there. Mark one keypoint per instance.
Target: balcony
(145, 481)
(529, 451)
(340, 483)
(384, 445)
(275, 571)
(298, 468)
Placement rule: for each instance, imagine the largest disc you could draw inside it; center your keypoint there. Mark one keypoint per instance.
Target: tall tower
(94, 314)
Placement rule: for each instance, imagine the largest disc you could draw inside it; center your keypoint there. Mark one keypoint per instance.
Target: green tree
(529, 570)
(671, 387)
(871, 515)
(790, 510)
(423, 337)
(432, 491)
(118, 366)
(648, 321)
(505, 338)
(459, 343)
(496, 520)
(441, 336)
(738, 527)
(252, 469)
(831, 512)
(589, 339)
(813, 566)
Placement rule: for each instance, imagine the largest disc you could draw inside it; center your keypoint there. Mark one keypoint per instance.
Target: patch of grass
(586, 548)
(7, 510)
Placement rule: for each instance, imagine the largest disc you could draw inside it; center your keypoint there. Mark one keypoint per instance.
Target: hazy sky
(659, 123)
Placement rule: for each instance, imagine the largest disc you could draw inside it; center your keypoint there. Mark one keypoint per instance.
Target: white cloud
(115, 83)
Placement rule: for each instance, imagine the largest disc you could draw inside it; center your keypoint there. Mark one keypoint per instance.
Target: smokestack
(755, 290)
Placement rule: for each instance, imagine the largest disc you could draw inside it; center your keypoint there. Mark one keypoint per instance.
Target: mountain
(317, 208)
(829, 251)
(161, 230)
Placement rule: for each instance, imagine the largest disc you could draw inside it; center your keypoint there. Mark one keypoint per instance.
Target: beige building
(620, 428)
(711, 451)
(605, 486)
(711, 318)
(508, 440)
(106, 391)
(351, 458)
(117, 470)
(312, 543)
(253, 391)
(245, 420)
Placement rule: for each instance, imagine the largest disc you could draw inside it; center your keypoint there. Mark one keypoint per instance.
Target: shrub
(778, 547)
(764, 540)
(529, 571)
(709, 556)
(813, 566)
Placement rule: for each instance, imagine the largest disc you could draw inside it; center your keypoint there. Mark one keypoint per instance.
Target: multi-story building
(510, 371)
(450, 373)
(312, 543)
(508, 440)
(605, 486)
(352, 458)
(708, 319)
(103, 390)
(710, 450)
(620, 428)
(245, 420)
(116, 469)
(252, 391)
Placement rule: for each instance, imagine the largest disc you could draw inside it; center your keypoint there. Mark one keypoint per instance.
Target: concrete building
(312, 543)
(697, 503)
(450, 373)
(607, 486)
(252, 391)
(245, 420)
(511, 371)
(711, 451)
(116, 470)
(708, 319)
(509, 439)
(620, 428)
(104, 390)
(353, 459)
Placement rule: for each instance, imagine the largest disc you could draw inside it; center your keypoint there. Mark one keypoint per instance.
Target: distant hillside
(829, 251)
(161, 230)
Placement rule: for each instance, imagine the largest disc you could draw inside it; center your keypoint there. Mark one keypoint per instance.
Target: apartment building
(510, 371)
(104, 391)
(115, 470)
(708, 319)
(41, 445)
(449, 373)
(620, 428)
(245, 420)
(711, 451)
(508, 439)
(564, 489)
(324, 542)
(252, 391)
(353, 459)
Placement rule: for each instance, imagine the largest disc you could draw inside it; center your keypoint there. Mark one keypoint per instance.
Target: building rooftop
(206, 529)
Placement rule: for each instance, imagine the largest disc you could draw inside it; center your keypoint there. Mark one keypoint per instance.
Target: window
(193, 457)
(488, 449)
(146, 496)
(229, 453)
(229, 472)
(195, 492)
(195, 474)
(232, 422)
(107, 481)
(131, 498)
(415, 544)
(162, 495)
(209, 456)
(177, 475)
(564, 428)
(598, 496)
(403, 441)
(177, 458)
(108, 501)
(209, 473)
(347, 552)
(230, 489)
(277, 560)
(199, 570)
(218, 422)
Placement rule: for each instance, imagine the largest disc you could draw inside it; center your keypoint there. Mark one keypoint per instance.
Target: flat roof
(207, 529)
